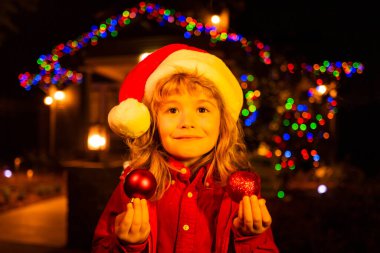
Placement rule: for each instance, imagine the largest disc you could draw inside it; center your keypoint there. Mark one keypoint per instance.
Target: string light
(51, 71)
(297, 119)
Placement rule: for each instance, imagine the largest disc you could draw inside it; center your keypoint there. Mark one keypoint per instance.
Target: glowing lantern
(97, 138)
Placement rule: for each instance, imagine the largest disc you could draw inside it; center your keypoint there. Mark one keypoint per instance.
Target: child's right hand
(132, 226)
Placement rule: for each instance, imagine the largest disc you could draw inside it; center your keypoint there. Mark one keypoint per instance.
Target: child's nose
(187, 120)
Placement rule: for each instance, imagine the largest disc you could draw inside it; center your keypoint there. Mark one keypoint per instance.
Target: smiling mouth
(187, 138)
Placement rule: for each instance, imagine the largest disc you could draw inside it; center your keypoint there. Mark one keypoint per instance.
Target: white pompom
(130, 118)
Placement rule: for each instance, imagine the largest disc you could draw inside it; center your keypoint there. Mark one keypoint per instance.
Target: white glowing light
(8, 173)
(59, 95)
(322, 189)
(96, 141)
(215, 19)
(143, 56)
(48, 100)
(321, 89)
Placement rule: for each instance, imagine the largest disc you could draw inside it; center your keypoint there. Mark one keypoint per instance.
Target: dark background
(346, 219)
(301, 31)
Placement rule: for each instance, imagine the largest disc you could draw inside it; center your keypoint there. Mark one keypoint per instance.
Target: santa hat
(131, 118)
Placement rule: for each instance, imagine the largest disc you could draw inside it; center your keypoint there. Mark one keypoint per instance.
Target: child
(179, 114)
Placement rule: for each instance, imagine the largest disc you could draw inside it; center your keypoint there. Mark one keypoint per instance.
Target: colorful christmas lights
(294, 120)
(51, 71)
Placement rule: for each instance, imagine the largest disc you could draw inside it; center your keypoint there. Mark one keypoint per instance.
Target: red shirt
(190, 217)
(187, 214)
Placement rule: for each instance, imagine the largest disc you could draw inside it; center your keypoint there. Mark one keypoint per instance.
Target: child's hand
(132, 226)
(253, 216)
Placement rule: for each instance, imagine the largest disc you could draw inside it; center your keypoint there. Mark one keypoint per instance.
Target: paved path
(42, 223)
(36, 228)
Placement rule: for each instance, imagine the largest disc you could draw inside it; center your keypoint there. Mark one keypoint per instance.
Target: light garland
(297, 121)
(51, 71)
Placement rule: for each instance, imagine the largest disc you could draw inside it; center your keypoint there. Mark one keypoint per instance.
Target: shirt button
(207, 184)
(190, 194)
(173, 182)
(186, 227)
(184, 174)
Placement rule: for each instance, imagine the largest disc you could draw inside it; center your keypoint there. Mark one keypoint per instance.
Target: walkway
(36, 228)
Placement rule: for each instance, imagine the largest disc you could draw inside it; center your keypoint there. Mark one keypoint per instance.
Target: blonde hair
(228, 155)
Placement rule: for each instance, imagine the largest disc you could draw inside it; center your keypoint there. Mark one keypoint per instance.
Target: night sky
(301, 30)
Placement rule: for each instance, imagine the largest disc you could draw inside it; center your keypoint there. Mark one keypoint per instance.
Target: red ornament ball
(140, 183)
(243, 183)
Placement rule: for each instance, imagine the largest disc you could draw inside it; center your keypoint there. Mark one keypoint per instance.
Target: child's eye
(172, 110)
(202, 109)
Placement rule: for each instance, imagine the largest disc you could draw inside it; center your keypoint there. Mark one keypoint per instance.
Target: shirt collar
(182, 173)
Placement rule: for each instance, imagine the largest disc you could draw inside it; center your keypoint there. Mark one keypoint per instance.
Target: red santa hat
(131, 117)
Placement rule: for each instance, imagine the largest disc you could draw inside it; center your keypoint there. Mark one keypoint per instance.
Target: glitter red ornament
(243, 183)
(140, 183)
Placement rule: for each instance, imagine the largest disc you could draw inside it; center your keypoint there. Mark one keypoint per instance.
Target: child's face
(188, 125)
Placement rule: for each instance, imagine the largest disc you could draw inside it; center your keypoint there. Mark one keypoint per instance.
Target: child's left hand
(253, 216)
